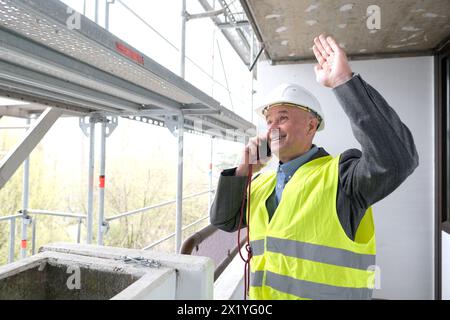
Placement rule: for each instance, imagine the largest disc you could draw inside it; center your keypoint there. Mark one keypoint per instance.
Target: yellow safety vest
(303, 252)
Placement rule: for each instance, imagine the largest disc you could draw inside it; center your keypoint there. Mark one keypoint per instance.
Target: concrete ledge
(152, 286)
(61, 276)
(194, 274)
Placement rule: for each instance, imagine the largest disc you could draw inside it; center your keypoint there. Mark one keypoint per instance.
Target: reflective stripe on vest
(314, 252)
(314, 290)
(256, 278)
(257, 247)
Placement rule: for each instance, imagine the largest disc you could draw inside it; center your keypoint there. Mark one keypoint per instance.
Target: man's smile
(278, 138)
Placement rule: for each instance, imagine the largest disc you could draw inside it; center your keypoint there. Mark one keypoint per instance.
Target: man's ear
(313, 125)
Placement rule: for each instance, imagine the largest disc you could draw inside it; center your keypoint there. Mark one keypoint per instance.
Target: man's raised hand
(333, 68)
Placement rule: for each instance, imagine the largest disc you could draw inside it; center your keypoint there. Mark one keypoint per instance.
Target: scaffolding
(63, 64)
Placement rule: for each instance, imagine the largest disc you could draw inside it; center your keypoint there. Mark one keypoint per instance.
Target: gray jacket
(388, 157)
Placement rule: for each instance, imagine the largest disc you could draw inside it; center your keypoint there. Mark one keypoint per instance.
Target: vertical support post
(252, 104)
(106, 15)
(183, 40)
(79, 230)
(252, 50)
(101, 194)
(252, 75)
(212, 62)
(210, 172)
(107, 4)
(96, 11)
(90, 207)
(25, 199)
(12, 240)
(213, 53)
(33, 236)
(179, 196)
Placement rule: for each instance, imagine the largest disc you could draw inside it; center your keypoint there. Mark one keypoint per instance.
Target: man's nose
(273, 126)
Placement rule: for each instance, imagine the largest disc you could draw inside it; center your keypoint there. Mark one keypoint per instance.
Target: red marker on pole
(102, 182)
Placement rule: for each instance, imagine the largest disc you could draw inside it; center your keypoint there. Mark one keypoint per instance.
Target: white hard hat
(293, 94)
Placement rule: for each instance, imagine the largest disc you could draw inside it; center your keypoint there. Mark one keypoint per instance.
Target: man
(311, 226)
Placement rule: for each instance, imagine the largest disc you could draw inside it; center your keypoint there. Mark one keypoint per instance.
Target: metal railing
(159, 205)
(12, 234)
(78, 216)
(170, 236)
(29, 216)
(25, 215)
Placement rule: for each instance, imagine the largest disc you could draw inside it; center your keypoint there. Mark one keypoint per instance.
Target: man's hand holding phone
(257, 153)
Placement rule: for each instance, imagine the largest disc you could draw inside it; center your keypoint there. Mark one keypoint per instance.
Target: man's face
(291, 130)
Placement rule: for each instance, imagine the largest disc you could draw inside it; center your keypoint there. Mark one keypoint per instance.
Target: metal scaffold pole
(101, 193)
(210, 172)
(107, 15)
(96, 11)
(179, 203)
(108, 3)
(33, 236)
(25, 198)
(12, 240)
(253, 72)
(90, 205)
(179, 195)
(183, 40)
(80, 221)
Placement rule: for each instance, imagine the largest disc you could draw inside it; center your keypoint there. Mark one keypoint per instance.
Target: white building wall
(405, 219)
(445, 266)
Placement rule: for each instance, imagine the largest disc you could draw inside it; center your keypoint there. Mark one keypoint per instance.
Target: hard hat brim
(263, 109)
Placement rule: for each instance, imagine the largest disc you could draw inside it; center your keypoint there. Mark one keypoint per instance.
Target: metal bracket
(27, 219)
(111, 124)
(172, 124)
(85, 123)
(105, 227)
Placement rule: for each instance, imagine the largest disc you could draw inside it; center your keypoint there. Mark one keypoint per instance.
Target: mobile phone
(263, 147)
